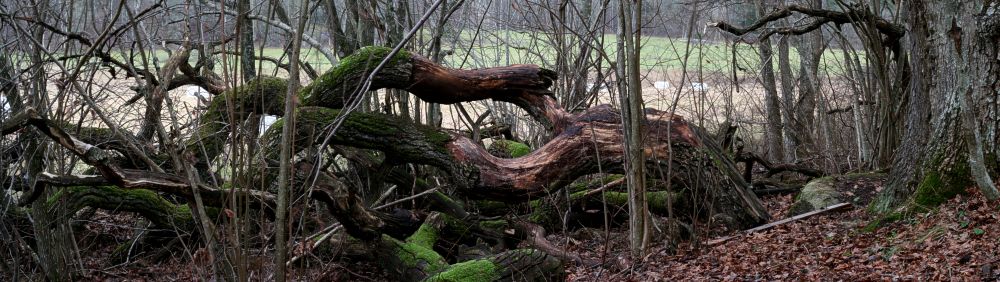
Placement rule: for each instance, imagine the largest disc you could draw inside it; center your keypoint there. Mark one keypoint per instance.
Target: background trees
(178, 98)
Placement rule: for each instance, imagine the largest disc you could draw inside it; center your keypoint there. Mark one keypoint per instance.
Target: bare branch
(853, 15)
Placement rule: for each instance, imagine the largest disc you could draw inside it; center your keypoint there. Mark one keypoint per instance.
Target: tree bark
(810, 48)
(630, 89)
(791, 141)
(55, 244)
(772, 108)
(945, 36)
(244, 29)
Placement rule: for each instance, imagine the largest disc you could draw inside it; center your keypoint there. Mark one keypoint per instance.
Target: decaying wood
(764, 186)
(111, 172)
(750, 159)
(535, 236)
(613, 183)
(583, 143)
(834, 208)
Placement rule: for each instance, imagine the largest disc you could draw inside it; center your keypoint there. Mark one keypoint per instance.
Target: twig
(385, 195)
(605, 187)
(407, 198)
(775, 191)
(326, 233)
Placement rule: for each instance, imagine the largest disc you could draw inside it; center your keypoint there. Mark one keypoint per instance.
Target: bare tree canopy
(489, 140)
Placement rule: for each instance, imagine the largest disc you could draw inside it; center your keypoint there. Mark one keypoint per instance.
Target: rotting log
(153, 207)
(414, 259)
(104, 162)
(568, 156)
(583, 143)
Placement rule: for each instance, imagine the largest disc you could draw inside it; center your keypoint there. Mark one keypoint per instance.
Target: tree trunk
(810, 48)
(630, 90)
(791, 141)
(285, 163)
(244, 29)
(55, 244)
(945, 37)
(772, 106)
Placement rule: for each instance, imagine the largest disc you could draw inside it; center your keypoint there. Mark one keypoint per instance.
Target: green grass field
(504, 48)
(657, 53)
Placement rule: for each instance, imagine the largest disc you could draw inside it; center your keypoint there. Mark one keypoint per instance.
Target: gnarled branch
(853, 14)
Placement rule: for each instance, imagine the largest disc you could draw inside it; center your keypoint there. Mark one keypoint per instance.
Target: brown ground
(959, 241)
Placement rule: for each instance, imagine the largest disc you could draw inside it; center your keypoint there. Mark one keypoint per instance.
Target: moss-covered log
(508, 149)
(513, 265)
(103, 161)
(260, 95)
(151, 206)
(588, 210)
(570, 155)
(415, 260)
(584, 143)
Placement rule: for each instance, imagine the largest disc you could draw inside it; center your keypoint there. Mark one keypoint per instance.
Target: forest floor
(957, 241)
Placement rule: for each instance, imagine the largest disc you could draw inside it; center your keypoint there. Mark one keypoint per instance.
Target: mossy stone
(817, 194)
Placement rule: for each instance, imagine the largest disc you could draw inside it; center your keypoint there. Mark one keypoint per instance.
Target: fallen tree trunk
(584, 143)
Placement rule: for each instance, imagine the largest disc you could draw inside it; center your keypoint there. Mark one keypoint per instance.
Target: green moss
(391, 135)
(936, 188)
(656, 201)
(509, 149)
(425, 236)
(882, 221)
(418, 249)
(326, 88)
(819, 193)
(146, 203)
(305, 91)
(928, 191)
(544, 212)
(494, 206)
(364, 59)
(537, 204)
(375, 124)
(259, 95)
(434, 135)
(441, 202)
(471, 271)
(53, 199)
(594, 183)
(416, 256)
(412, 255)
(493, 224)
